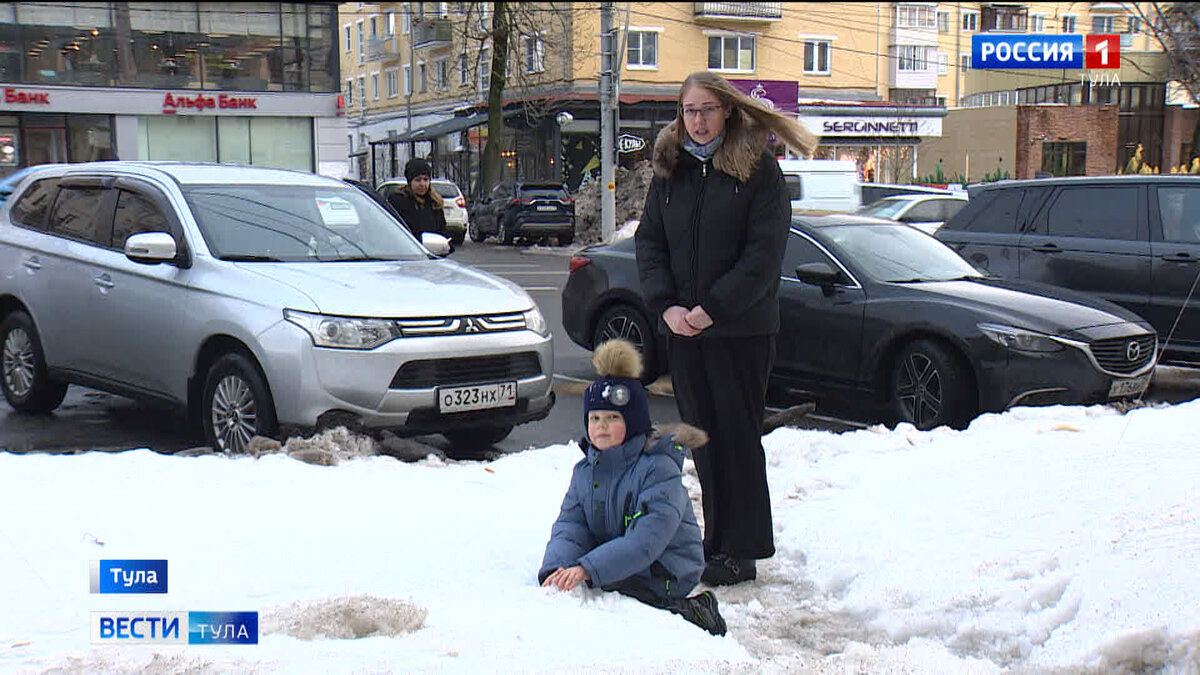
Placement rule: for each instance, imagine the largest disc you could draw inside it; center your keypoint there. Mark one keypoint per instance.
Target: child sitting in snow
(627, 523)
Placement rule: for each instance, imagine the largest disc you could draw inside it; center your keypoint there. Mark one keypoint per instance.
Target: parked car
(454, 204)
(821, 184)
(257, 298)
(924, 212)
(525, 210)
(872, 307)
(873, 192)
(1128, 239)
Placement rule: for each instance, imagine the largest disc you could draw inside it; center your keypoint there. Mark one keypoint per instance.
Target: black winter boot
(701, 609)
(725, 570)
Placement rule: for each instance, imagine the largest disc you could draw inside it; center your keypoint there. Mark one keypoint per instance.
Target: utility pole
(411, 82)
(608, 194)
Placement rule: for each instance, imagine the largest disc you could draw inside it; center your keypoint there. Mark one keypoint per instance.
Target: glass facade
(238, 46)
(278, 142)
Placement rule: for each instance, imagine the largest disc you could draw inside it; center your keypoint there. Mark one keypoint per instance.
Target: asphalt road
(90, 419)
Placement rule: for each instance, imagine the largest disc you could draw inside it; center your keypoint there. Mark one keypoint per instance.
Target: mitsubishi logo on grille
(1133, 350)
(473, 325)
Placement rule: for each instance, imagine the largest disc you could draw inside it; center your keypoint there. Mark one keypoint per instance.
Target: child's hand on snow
(566, 579)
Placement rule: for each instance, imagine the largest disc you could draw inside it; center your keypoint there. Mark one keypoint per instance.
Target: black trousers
(721, 386)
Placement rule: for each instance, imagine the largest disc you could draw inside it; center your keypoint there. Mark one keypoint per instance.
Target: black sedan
(873, 307)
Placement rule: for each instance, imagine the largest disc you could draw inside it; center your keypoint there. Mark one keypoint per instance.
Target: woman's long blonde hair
(746, 131)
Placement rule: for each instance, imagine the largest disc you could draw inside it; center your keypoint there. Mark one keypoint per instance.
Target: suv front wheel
(27, 386)
(236, 404)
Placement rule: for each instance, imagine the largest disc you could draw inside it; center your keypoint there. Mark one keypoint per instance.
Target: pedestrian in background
(709, 249)
(418, 203)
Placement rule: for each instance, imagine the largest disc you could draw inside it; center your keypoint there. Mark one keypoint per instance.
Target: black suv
(524, 210)
(1134, 240)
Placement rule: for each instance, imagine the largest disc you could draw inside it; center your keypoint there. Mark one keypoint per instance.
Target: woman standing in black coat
(709, 248)
(418, 203)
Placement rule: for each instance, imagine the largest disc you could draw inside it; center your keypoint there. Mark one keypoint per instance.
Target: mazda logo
(1133, 350)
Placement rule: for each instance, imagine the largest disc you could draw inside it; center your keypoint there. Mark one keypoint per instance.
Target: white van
(822, 184)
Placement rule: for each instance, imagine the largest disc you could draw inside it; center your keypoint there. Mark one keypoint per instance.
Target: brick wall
(1097, 125)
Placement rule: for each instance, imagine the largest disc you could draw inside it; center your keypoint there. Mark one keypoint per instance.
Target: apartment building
(874, 80)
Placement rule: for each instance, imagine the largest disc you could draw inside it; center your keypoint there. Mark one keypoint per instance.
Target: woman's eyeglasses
(705, 111)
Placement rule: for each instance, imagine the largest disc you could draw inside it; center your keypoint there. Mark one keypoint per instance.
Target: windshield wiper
(248, 257)
(915, 280)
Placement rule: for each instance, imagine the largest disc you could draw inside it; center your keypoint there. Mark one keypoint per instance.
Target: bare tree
(1176, 26)
(533, 37)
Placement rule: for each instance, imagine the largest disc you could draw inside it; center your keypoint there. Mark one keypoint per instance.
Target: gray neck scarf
(702, 152)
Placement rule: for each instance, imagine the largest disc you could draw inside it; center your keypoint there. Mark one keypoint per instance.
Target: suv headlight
(1020, 339)
(344, 332)
(535, 322)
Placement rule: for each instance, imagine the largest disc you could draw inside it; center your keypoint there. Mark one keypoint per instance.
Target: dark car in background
(876, 309)
(1132, 240)
(524, 210)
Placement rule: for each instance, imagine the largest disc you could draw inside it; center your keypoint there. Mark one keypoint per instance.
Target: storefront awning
(449, 126)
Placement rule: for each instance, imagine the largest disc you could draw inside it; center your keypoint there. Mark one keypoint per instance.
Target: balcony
(433, 32)
(382, 49)
(756, 12)
(1003, 19)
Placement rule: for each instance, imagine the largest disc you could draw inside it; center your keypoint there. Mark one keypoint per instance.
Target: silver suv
(256, 298)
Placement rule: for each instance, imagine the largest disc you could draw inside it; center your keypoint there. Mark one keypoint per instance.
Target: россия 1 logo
(992, 51)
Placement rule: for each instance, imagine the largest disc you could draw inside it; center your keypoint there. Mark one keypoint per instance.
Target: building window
(912, 58)
(970, 21)
(374, 27)
(1037, 23)
(533, 54)
(441, 74)
(943, 22)
(964, 62)
(375, 86)
(406, 19)
(642, 50)
(485, 68)
(1068, 23)
(1102, 24)
(941, 101)
(389, 23)
(421, 78)
(816, 57)
(349, 40)
(943, 63)
(464, 71)
(349, 92)
(362, 90)
(393, 84)
(914, 16)
(1135, 25)
(1065, 159)
(731, 52)
(362, 49)
(408, 89)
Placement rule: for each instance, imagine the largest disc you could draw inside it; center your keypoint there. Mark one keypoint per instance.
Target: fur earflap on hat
(619, 365)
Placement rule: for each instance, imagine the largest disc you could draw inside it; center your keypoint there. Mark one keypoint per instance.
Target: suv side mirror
(151, 248)
(436, 243)
(817, 273)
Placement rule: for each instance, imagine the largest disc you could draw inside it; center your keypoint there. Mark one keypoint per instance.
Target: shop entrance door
(45, 145)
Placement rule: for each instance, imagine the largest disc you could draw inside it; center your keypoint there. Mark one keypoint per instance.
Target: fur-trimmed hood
(739, 154)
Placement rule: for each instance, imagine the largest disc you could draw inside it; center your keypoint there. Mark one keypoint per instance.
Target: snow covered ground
(1061, 539)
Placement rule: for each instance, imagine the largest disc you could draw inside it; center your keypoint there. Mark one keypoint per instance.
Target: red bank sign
(201, 102)
(18, 96)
